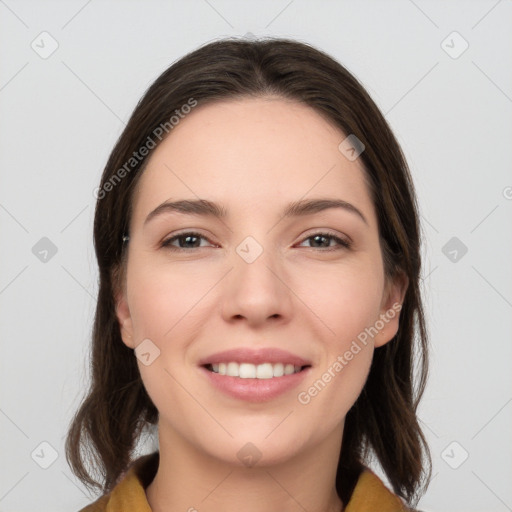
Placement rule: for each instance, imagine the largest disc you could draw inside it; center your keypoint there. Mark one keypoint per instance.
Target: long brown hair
(383, 420)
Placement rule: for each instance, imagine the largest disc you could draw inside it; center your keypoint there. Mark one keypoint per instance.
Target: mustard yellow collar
(370, 494)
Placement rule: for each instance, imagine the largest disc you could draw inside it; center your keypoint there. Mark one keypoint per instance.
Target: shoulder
(129, 493)
(98, 506)
(371, 494)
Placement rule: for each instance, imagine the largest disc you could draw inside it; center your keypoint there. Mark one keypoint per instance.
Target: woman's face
(276, 289)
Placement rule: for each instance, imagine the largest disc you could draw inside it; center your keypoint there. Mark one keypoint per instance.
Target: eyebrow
(206, 208)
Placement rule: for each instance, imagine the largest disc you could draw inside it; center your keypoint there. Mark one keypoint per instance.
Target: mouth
(255, 375)
(254, 371)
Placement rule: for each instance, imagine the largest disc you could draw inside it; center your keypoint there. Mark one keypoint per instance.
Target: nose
(256, 291)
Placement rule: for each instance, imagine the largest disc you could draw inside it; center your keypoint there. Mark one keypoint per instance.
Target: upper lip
(260, 356)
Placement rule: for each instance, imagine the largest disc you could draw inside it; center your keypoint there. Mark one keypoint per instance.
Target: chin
(256, 448)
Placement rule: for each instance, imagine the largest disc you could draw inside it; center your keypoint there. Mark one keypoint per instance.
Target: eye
(189, 240)
(324, 240)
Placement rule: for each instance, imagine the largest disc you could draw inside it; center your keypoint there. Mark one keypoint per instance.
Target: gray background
(60, 116)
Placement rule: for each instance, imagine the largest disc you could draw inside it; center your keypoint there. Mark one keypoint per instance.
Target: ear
(392, 302)
(124, 318)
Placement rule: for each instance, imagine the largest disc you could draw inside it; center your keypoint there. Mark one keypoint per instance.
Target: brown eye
(324, 239)
(187, 240)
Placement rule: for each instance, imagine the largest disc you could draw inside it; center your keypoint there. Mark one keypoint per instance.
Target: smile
(254, 371)
(255, 375)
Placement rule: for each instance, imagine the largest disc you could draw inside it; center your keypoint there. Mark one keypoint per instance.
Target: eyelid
(327, 232)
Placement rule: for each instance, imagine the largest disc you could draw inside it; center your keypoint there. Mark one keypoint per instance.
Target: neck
(189, 480)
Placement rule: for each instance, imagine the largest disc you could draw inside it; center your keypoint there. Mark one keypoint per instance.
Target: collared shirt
(369, 495)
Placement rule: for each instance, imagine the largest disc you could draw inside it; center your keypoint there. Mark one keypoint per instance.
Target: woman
(257, 237)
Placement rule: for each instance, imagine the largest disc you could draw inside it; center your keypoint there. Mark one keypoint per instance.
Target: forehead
(253, 152)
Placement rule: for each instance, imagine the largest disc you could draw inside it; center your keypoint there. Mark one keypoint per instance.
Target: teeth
(247, 371)
(278, 370)
(232, 370)
(263, 371)
(253, 371)
(289, 369)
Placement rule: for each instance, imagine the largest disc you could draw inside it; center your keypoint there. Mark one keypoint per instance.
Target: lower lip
(255, 390)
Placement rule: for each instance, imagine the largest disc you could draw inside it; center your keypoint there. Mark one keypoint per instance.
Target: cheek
(166, 309)
(336, 383)
(345, 298)
(347, 303)
(162, 309)
(162, 299)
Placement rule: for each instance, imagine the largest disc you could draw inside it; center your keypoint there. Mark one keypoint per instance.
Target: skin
(254, 156)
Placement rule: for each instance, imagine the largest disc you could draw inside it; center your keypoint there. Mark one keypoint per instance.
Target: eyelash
(343, 244)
